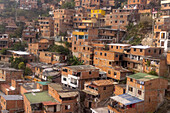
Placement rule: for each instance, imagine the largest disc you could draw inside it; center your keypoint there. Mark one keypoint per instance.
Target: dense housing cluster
(84, 56)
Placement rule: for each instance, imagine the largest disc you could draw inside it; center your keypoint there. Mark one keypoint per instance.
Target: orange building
(119, 18)
(120, 89)
(97, 92)
(51, 57)
(42, 45)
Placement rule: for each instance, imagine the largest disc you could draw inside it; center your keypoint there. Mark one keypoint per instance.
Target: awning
(126, 99)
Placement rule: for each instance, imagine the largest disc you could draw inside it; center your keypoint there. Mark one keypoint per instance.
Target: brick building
(28, 4)
(162, 30)
(76, 76)
(144, 93)
(51, 57)
(4, 41)
(37, 101)
(119, 18)
(42, 45)
(27, 56)
(29, 87)
(6, 74)
(43, 86)
(119, 89)
(165, 7)
(136, 4)
(46, 26)
(67, 99)
(63, 21)
(97, 92)
(29, 34)
(12, 103)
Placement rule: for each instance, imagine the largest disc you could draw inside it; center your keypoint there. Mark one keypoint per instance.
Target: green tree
(59, 49)
(68, 5)
(21, 65)
(28, 71)
(19, 46)
(74, 61)
(153, 73)
(15, 62)
(3, 51)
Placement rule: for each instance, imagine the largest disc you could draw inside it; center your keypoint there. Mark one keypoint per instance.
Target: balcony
(117, 108)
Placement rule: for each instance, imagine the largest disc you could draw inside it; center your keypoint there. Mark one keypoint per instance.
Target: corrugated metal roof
(126, 99)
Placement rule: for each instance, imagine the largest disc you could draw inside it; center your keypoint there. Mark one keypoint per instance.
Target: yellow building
(97, 13)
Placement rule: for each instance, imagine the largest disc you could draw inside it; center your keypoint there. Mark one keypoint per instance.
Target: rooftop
(29, 86)
(40, 65)
(12, 97)
(44, 83)
(126, 99)
(100, 110)
(117, 44)
(19, 52)
(103, 82)
(140, 47)
(39, 97)
(143, 76)
(10, 69)
(62, 91)
(82, 67)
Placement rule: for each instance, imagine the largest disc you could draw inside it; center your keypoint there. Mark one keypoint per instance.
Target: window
(154, 50)
(111, 46)
(131, 80)
(104, 88)
(134, 49)
(64, 79)
(110, 63)
(116, 47)
(109, 72)
(101, 54)
(89, 72)
(149, 50)
(83, 48)
(74, 48)
(105, 54)
(130, 89)
(65, 70)
(126, 55)
(141, 50)
(139, 92)
(116, 55)
(115, 73)
(67, 107)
